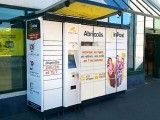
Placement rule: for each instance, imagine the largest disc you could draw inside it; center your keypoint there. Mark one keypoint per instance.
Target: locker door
(121, 60)
(110, 60)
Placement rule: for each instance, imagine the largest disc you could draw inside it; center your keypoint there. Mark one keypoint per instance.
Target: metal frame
(52, 17)
(151, 8)
(144, 7)
(136, 6)
(142, 12)
(153, 5)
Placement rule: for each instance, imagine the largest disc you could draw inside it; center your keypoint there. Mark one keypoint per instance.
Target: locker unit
(68, 63)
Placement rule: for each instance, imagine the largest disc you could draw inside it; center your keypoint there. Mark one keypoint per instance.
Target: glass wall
(115, 19)
(12, 51)
(149, 22)
(157, 24)
(139, 42)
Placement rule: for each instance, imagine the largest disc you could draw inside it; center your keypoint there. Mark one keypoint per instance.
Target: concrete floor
(141, 103)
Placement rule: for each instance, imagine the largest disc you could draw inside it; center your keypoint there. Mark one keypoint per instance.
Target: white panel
(110, 46)
(121, 69)
(53, 77)
(50, 73)
(110, 72)
(122, 46)
(52, 58)
(99, 88)
(99, 57)
(34, 64)
(86, 91)
(99, 45)
(110, 35)
(53, 42)
(86, 33)
(87, 76)
(100, 65)
(52, 99)
(123, 85)
(83, 68)
(99, 74)
(71, 83)
(99, 34)
(57, 62)
(53, 53)
(86, 56)
(52, 30)
(110, 53)
(52, 84)
(52, 48)
(122, 55)
(34, 90)
(71, 32)
(109, 89)
(121, 35)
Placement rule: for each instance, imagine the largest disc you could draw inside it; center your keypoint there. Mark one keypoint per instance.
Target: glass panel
(149, 22)
(139, 46)
(120, 3)
(140, 27)
(139, 51)
(71, 62)
(139, 63)
(134, 7)
(157, 23)
(12, 58)
(140, 39)
(115, 19)
(126, 18)
(6, 13)
(148, 8)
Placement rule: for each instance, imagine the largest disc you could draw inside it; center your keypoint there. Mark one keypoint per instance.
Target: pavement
(140, 103)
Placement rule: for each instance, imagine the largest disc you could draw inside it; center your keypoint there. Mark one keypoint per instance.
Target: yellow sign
(96, 76)
(83, 77)
(11, 42)
(84, 10)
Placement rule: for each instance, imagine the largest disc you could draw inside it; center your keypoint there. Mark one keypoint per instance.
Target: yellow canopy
(85, 10)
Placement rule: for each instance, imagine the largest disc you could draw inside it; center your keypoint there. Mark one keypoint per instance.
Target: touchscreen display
(71, 61)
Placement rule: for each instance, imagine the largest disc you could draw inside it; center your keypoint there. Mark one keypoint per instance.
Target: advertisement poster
(110, 71)
(116, 60)
(121, 65)
(34, 64)
(111, 84)
(11, 42)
